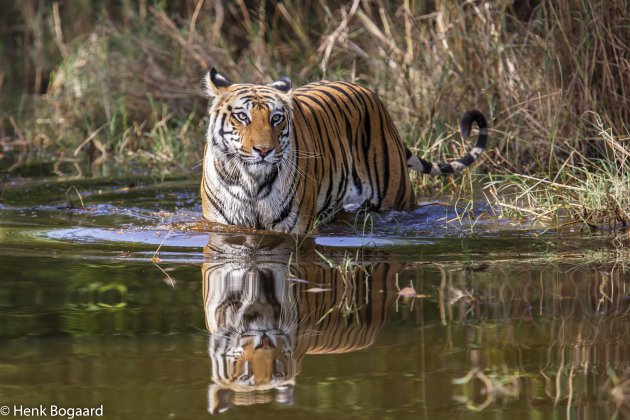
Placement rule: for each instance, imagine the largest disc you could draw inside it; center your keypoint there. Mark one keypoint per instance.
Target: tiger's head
(250, 125)
(252, 334)
(248, 366)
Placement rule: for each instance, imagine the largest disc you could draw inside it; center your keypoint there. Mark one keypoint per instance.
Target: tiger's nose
(263, 343)
(262, 150)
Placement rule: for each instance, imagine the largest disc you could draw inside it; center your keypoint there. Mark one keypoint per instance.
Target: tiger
(288, 160)
(262, 320)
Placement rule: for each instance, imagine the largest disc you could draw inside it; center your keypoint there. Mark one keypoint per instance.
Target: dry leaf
(317, 290)
(408, 292)
(295, 279)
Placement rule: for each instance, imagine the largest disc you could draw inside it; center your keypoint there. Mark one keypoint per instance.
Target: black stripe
(332, 98)
(357, 181)
(265, 188)
(288, 203)
(465, 126)
(329, 113)
(367, 147)
(215, 204)
(349, 137)
(386, 163)
(344, 92)
(403, 186)
(286, 211)
(367, 134)
(445, 168)
(324, 137)
(223, 174)
(466, 160)
(328, 195)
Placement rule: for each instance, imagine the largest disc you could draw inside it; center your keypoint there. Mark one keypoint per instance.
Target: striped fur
(262, 321)
(285, 159)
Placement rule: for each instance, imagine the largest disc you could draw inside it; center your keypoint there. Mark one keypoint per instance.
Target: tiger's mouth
(260, 169)
(262, 161)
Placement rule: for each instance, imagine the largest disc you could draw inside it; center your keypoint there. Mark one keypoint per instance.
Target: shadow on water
(132, 307)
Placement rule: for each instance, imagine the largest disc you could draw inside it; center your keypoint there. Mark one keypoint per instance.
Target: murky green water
(403, 315)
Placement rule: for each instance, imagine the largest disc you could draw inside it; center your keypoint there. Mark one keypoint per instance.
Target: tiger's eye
(276, 118)
(241, 116)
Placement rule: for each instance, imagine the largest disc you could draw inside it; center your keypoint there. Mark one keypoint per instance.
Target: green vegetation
(90, 84)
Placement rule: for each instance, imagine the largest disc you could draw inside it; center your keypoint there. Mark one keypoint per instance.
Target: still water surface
(404, 315)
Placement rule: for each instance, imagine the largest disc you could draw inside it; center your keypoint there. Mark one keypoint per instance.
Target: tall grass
(553, 77)
(596, 196)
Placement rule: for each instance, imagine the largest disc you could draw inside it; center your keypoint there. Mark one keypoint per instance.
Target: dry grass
(596, 196)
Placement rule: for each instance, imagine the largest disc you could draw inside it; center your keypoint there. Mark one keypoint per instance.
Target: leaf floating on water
(169, 281)
(317, 290)
(408, 292)
(296, 280)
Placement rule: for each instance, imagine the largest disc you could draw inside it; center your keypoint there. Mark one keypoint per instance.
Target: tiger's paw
(356, 207)
(353, 207)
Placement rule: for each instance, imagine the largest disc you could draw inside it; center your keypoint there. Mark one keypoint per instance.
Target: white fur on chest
(248, 203)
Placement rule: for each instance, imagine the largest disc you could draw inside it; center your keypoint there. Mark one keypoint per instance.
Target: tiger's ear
(283, 85)
(215, 83)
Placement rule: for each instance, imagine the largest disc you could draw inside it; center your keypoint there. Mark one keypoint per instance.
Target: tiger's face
(252, 359)
(249, 125)
(252, 330)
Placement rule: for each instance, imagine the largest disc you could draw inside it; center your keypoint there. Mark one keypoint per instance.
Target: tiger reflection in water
(264, 317)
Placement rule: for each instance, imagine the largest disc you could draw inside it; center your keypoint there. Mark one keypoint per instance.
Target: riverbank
(89, 89)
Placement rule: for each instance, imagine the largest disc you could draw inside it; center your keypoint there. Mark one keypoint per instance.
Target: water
(405, 315)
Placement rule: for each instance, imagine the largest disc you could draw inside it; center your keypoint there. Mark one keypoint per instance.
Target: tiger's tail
(456, 166)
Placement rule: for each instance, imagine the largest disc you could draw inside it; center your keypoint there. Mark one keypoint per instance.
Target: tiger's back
(364, 161)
